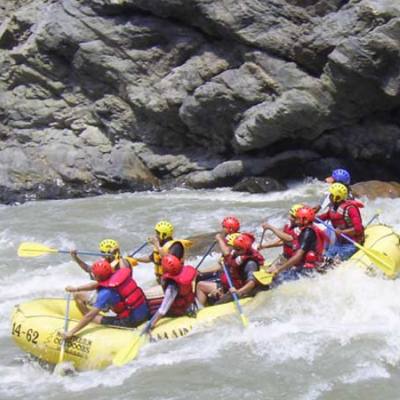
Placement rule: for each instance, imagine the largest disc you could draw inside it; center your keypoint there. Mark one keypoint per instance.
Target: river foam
(335, 336)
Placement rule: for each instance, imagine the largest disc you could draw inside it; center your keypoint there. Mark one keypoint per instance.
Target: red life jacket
(186, 296)
(312, 258)
(131, 294)
(236, 264)
(290, 248)
(340, 218)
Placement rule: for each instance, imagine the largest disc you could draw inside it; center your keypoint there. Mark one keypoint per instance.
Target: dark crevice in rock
(126, 12)
(115, 10)
(46, 191)
(118, 185)
(17, 32)
(314, 68)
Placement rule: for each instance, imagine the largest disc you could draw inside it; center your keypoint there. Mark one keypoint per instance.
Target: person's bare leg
(204, 288)
(97, 319)
(82, 301)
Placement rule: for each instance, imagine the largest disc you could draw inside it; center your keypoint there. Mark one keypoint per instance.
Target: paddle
(126, 355)
(376, 215)
(206, 254)
(30, 249)
(385, 263)
(264, 277)
(58, 369)
(262, 237)
(138, 249)
(243, 318)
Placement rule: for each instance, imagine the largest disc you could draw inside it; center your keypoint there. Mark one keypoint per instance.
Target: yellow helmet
(293, 210)
(108, 245)
(231, 238)
(165, 229)
(339, 192)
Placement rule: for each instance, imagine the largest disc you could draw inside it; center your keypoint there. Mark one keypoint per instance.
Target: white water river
(334, 337)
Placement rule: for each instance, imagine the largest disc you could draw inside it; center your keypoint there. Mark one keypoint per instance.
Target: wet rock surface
(374, 189)
(258, 185)
(117, 95)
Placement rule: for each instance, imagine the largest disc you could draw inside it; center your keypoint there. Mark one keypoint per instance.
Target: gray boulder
(258, 185)
(104, 95)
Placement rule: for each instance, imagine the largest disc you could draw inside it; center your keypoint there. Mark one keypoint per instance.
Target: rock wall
(107, 95)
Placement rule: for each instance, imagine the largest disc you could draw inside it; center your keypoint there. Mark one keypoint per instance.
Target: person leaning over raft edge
(241, 260)
(309, 254)
(117, 291)
(112, 253)
(288, 237)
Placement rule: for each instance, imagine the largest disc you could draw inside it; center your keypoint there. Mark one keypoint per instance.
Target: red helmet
(305, 215)
(243, 242)
(231, 224)
(101, 270)
(171, 265)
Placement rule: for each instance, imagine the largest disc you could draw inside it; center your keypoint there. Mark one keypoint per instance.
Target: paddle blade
(245, 321)
(132, 261)
(384, 262)
(62, 351)
(30, 249)
(263, 277)
(187, 244)
(126, 355)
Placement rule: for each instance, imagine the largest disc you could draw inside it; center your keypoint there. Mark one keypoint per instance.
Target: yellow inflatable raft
(35, 324)
(381, 238)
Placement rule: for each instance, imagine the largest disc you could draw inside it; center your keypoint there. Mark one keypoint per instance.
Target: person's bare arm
(278, 232)
(225, 249)
(269, 245)
(84, 288)
(144, 259)
(79, 261)
(294, 260)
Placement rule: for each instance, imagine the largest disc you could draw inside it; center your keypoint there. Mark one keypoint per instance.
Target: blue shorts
(344, 251)
(138, 316)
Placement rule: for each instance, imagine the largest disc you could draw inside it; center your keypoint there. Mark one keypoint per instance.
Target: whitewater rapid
(333, 337)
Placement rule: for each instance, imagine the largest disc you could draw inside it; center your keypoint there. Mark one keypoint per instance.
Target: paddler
(288, 237)
(230, 230)
(345, 217)
(177, 282)
(309, 253)
(241, 260)
(112, 254)
(116, 291)
(163, 244)
(230, 225)
(339, 175)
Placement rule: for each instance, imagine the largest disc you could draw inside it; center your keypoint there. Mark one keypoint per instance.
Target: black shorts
(115, 321)
(211, 277)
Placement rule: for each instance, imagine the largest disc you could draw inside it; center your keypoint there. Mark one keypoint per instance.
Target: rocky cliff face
(104, 95)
